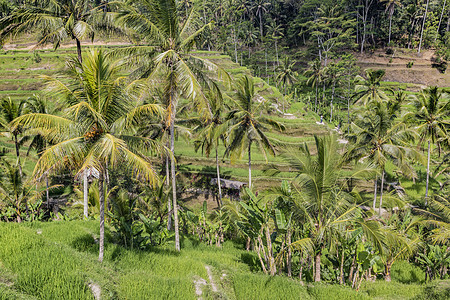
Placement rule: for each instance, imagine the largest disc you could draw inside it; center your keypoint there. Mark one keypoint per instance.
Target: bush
(410, 64)
(389, 51)
(405, 272)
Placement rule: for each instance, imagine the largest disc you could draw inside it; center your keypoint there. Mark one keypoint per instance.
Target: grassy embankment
(20, 70)
(58, 260)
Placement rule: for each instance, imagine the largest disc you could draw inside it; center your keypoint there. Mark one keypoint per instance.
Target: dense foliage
(351, 210)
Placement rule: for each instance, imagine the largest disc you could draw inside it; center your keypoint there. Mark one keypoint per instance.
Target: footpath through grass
(59, 261)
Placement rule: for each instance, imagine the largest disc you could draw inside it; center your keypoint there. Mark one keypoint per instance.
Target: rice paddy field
(20, 69)
(58, 260)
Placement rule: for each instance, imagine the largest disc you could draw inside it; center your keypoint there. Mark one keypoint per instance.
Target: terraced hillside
(419, 75)
(20, 69)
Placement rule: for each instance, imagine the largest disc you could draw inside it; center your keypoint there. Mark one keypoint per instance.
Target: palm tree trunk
(332, 98)
(317, 267)
(271, 259)
(85, 194)
(169, 204)
(428, 172)
(174, 187)
(276, 52)
(317, 95)
(80, 58)
(289, 256)
(341, 268)
(375, 188)
(390, 27)
(16, 143)
(102, 217)
(381, 192)
(46, 191)
(218, 177)
(423, 26)
(250, 165)
(440, 20)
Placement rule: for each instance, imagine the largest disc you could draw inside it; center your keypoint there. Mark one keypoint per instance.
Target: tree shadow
(251, 260)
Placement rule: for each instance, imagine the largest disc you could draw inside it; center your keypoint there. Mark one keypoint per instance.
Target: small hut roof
(228, 184)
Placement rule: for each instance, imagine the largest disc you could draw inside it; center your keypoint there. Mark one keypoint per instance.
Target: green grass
(58, 260)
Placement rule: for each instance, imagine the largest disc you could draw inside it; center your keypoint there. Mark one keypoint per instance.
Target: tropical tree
(390, 9)
(315, 77)
(56, 20)
(213, 132)
(9, 110)
(168, 55)
(96, 128)
(247, 125)
(321, 203)
(286, 75)
(368, 90)
(431, 117)
(379, 138)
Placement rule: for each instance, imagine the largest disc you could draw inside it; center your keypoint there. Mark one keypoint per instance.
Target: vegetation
(104, 193)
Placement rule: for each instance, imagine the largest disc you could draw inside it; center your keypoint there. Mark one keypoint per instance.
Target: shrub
(410, 64)
(389, 51)
(405, 272)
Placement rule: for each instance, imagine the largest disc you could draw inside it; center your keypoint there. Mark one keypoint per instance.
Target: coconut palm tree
(315, 77)
(368, 90)
(379, 138)
(321, 203)
(96, 129)
(390, 9)
(57, 21)
(286, 75)
(9, 110)
(431, 117)
(247, 125)
(169, 56)
(213, 132)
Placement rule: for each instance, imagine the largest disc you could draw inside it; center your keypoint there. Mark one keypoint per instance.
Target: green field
(58, 260)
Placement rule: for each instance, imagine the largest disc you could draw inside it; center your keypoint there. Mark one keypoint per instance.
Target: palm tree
(431, 117)
(15, 192)
(390, 8)
(247, 125)
(213, 132)
(57, 20)
(423, 25)
(315, 73)
(36, 104)
(321, 203)
(9, 110)
(286, 75)
(368, 90)
(96, 128)
(259, 7)
(169, 56)
(379, 137)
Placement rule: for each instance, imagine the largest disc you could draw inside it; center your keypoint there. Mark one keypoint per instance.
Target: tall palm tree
(57, 20)
(423, 25)
(368, 90)
(213, 132)
(9, 110)
(379, 137)
(247, 125)
(315, 73)
(390, 9)
(321, 203)
(169, 56)
(431, 118)
(96, 128)
(286, 75)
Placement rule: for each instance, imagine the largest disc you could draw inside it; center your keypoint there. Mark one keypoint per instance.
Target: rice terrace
(224, 149)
